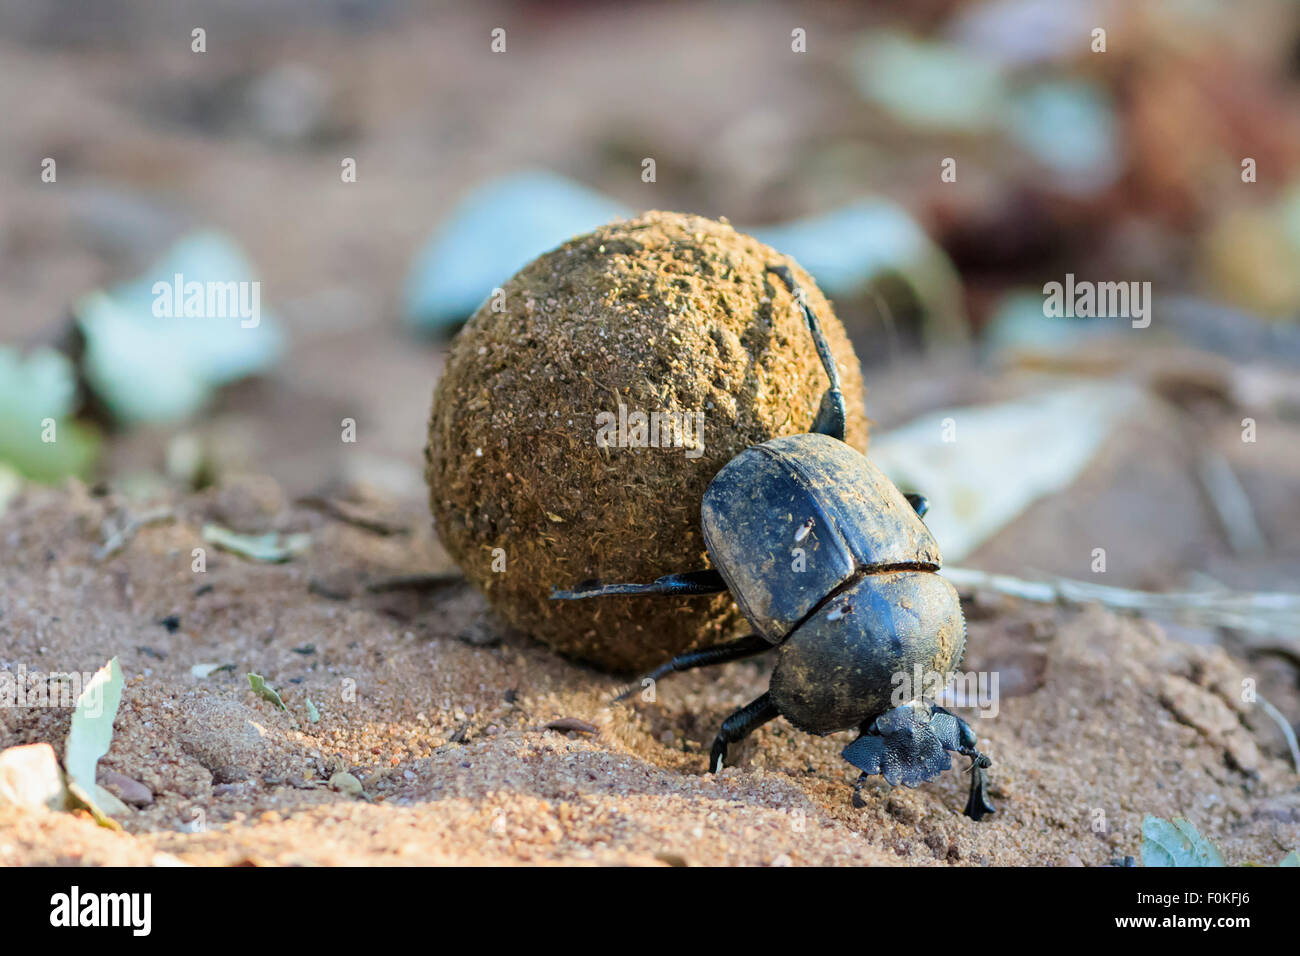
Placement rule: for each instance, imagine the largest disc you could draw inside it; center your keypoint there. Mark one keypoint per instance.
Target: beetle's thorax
(858, 653)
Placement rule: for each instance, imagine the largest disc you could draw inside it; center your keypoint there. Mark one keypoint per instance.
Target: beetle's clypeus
(864, 604)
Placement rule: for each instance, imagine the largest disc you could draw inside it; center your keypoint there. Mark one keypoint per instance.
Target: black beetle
(859, 603)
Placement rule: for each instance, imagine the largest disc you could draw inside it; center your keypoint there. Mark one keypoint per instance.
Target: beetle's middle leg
(832, 415)
(739, 726)
(704, 657)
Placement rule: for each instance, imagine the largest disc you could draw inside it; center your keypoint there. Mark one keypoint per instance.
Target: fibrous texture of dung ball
(585, 408)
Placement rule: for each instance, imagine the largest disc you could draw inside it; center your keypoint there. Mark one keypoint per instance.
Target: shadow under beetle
(866, 605)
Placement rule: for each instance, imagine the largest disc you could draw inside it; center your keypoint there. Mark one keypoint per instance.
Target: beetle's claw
(655, 675)
(858, 800)
(978, 804)
(625, 693)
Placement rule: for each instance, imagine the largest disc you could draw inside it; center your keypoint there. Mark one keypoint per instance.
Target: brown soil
(1102, 720)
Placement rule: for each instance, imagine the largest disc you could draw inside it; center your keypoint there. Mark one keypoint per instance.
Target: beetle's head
(910, 744)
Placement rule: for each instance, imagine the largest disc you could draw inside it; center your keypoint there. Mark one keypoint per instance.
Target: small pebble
(346, 783)
(573, 723)
(125, 789)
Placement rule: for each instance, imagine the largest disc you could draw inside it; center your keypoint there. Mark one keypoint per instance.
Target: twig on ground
(1231, 504)
(119, 537)
(1287, 730)
(351, 514)
(1272, 613)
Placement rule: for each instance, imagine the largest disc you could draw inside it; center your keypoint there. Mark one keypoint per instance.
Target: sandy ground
(1102, 720)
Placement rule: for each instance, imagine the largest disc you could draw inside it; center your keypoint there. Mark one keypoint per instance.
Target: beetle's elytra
(835, 570)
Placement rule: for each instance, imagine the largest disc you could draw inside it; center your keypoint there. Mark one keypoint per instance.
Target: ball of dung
(587, 405)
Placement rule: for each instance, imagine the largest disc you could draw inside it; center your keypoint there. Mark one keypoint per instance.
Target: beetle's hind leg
(858, 800)
(685, 584)
(704, 657)
(832, 415)
(739, 726)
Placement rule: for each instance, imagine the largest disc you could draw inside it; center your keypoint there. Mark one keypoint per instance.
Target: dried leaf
(573, 723)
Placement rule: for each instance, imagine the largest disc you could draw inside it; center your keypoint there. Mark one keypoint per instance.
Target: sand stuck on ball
(585, 409)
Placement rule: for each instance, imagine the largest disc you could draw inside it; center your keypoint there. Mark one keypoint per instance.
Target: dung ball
(588, 403)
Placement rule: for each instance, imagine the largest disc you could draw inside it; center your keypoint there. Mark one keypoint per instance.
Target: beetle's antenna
(815, 327)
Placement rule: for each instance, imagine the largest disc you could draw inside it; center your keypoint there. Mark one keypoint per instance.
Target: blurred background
(1115, 142)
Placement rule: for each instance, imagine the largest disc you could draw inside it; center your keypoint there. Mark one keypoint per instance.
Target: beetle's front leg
(978, 804)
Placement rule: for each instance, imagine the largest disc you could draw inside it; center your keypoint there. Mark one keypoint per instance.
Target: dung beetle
(835, 570)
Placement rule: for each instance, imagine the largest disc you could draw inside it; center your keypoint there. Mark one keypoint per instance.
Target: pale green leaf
(11, 483)
(78, 797)
(265, 690)
(1176, 844)
(930, 85)
(151, 363)
(272, 548)
(90, 736)
(38, 437)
